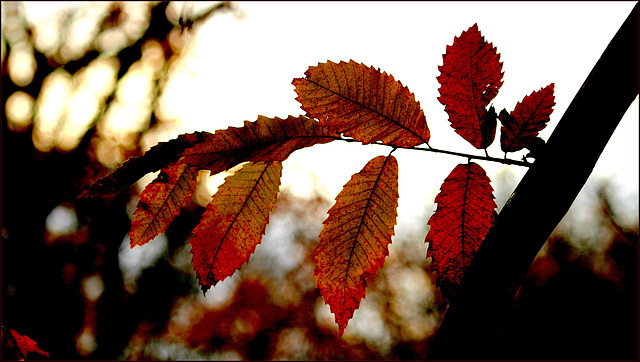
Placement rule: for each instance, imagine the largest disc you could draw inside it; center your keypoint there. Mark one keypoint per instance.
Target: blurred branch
(188, 23)
(470, 328)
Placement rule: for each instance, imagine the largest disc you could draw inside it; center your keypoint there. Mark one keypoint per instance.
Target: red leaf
(25, 344)
(267, 139)
(470, 77)
(161, 201)
(234, 222)
(355, 238)
(156, 158)
(362, 103)
(528, 118)
(465, 213)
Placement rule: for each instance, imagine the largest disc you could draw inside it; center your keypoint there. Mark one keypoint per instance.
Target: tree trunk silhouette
(471, 326)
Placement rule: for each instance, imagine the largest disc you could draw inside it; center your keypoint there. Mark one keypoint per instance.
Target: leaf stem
(506, 161)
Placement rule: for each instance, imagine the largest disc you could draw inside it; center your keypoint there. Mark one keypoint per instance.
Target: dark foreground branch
(471, 327)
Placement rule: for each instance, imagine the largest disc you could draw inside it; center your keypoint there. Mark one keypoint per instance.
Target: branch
(506, 161)
(471, 327)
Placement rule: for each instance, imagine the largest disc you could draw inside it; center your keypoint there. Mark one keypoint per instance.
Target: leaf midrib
(164, 203)
(518, 135)
(369, 108)
(253, 188)
(353, 247)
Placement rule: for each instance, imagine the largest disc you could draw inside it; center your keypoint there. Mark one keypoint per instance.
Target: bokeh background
(86, 85)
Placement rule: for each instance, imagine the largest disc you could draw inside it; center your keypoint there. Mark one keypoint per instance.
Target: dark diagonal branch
(471, 327)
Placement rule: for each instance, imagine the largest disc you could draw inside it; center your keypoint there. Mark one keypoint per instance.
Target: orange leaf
(267, 139)
(161, 201)
(362, 103)
(156, 158)
(465, 213)
(470, 77)
(528, 118)
(355, 238)
(234, 222)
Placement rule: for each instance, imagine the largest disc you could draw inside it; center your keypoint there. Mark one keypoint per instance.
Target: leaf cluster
(346, 101)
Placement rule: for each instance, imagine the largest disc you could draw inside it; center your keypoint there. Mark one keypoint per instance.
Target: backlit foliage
(345, 101)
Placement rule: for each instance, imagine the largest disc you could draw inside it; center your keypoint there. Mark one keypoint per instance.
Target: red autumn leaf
(465, 213)
(528, 118)
(156, 158)
(489, 126)
(362, 103)
(267, 139)
(161, 201)
(24, 344)
(234, 221)
(470, 77)
(355, 238)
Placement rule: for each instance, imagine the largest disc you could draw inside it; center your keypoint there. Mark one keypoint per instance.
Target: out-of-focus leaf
(355, 238)
(362, 103)
(23, 344)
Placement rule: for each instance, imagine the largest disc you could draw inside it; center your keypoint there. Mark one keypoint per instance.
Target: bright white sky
(237, 68)
(244, 67)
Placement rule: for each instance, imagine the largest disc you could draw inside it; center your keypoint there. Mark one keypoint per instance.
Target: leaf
(355, 238)
(157, 157)
(362, 103)
(535, 146)
(161, 201)
(470, 77)
(234, 221)
(489, 125)
(528, 118)
(465, 213)
(267, 139)
(23, 343)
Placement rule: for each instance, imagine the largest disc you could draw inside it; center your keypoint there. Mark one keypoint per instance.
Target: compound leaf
(470, 77)
(362, 103)
(234, 221)
(355, 238)
(465, 213)
(161, 201)
(528, 118)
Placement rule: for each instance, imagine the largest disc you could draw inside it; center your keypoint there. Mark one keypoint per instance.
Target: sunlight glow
(92, 287)
(50, 108)
(19, 111)
(130, 111)
(133, 261)
(47, 36)
(62, 220)
(86, 342)
(22, 64)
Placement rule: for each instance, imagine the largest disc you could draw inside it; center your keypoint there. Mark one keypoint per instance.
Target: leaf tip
(205, 288)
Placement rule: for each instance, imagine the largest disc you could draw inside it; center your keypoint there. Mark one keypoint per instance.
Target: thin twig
(506, 161)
